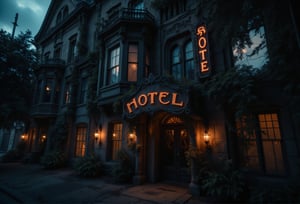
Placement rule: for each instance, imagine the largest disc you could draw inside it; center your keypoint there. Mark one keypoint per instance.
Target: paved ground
(29, 183)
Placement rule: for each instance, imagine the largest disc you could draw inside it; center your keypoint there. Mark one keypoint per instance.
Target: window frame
(81, 137)
(114, 64)
(132, 63)
(249, 130)
(115, 137)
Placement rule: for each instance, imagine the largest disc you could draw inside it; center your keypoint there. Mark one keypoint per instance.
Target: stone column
(193, 186)
(139, 176)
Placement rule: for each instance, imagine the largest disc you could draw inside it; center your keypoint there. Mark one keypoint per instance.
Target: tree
(18, 59)
(229, 22)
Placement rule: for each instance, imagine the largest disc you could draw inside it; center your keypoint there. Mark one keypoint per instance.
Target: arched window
(175, 63)
(65, 12)
(58, 18)
(189, 61)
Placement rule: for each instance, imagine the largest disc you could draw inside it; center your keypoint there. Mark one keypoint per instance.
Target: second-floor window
(83, 91)
(113, 72)
(72, 50)
(175, 61)
(48, 89)
(132, 62)
(182, 62)
(57, 51)
(189, 61)
(67, 96)
(254, 54)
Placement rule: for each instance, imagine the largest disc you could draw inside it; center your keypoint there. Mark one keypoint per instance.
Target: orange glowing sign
(154, 98)
(202, 44)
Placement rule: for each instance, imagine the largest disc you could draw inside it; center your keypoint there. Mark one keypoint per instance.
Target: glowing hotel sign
(203, 52)
(156, 98)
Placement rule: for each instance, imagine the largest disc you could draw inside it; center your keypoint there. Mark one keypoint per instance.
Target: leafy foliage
(53, 160)
(17, 62)
(124, 171)
(233, 89)
(89, 166)
(15, 154)
(224, 182)
(229, 23)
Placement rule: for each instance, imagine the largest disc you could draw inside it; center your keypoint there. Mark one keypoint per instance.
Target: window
(65, 12)
(182, 61)
(47, 90)
(147, 63)
(83, 91)
(46, 56)
(114, 66)
(72, 49)
(176, 68)
(262, 144)
(132, 62)
(68, 90)
(57, 51)
(39, 90)
(173, 9)
(62, 14)
(136, 4)
(80, 141)
(189, 61)
(115, 134)
(58, 18)
(254, 54)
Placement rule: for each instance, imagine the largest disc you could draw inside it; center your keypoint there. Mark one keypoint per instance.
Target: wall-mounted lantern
(206, 138)
(97, 135)
(44, 137)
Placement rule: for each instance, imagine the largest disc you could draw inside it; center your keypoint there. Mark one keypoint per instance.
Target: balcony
(127, 16)
(44, 110)
(54, 62)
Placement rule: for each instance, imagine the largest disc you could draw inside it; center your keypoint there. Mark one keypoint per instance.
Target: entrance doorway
(174, 144)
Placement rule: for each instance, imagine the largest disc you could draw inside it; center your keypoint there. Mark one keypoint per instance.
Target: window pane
(113, 72)
(132, 72)
(132, 62)
(48, 88)
(80, 141)
(248, 144)
(271, 142)
(176, 68)
(116, 140)
(189, 61)
(83, 91)
(248, 55)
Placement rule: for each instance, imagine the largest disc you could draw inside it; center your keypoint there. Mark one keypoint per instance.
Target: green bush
(53, 160)
(124, 171)
(16, 154)
(89, 166)
(225, 183)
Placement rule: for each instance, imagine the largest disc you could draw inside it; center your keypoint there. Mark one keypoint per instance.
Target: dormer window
(62, 14)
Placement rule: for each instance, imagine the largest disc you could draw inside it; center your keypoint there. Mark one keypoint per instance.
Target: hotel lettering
(203, 52)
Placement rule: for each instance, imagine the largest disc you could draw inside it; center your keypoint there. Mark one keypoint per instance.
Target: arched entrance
(174, 144)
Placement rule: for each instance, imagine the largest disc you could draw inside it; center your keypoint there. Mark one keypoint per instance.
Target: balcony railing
(53, 62)
(128, 15)
(44, 110)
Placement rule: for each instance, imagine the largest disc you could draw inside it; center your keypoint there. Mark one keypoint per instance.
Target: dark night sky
(31, 14)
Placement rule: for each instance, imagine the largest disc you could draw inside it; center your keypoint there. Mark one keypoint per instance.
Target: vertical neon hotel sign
(203, 52)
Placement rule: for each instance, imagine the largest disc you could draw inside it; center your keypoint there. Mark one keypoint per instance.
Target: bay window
(113, 72)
